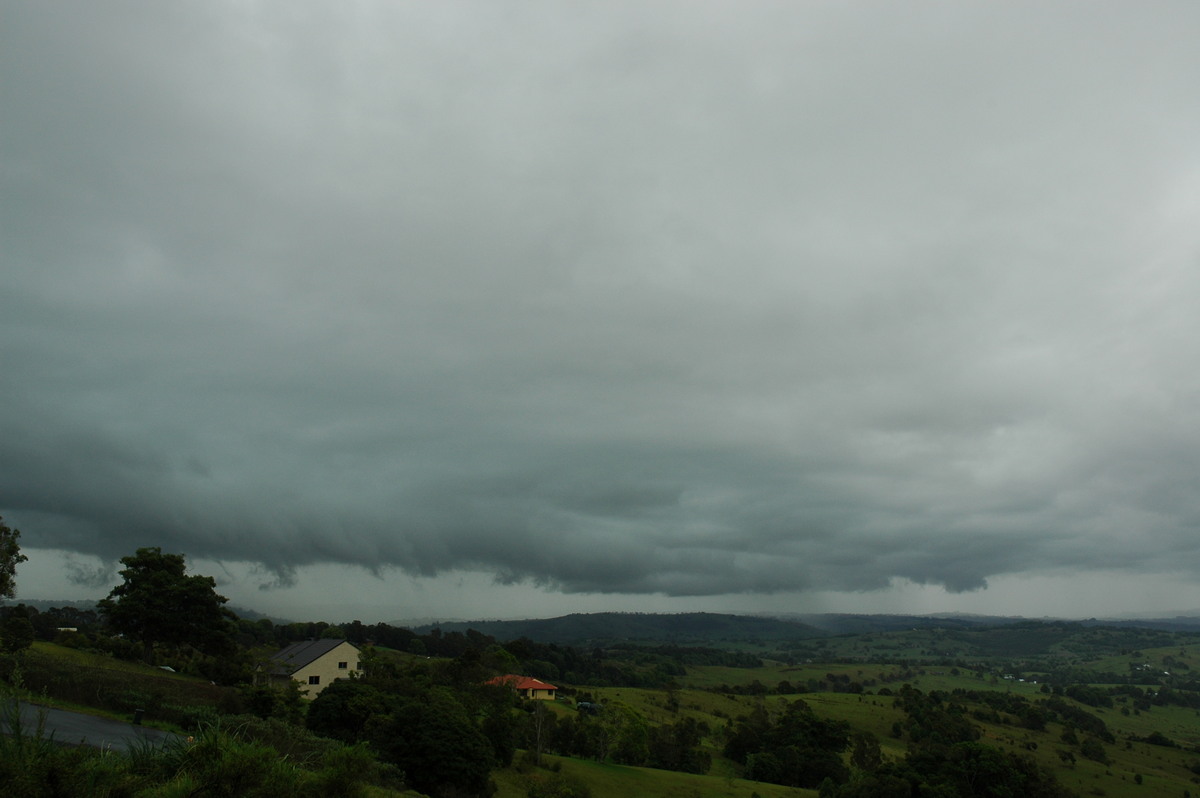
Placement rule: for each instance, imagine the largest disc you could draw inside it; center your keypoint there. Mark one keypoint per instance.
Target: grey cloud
(679, 299)
(91, 576)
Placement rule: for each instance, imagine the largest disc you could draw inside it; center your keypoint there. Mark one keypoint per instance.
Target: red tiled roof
(521, 682)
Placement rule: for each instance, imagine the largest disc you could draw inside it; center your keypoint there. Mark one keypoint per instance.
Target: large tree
(10, 558)
(159, 603)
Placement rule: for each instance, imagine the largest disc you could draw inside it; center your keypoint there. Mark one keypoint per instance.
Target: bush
(251, 758)
(556, 786)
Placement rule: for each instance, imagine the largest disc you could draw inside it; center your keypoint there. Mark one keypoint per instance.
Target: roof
(297, 655)
(521, 682)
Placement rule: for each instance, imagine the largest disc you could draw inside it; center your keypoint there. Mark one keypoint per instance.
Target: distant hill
(692, 628)
(1180, 623)
(848, 624)
(964, 634)
(41, 605)
(703, 628)
(844, 624)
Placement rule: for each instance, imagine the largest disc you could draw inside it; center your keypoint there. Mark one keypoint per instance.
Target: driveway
(76, 728)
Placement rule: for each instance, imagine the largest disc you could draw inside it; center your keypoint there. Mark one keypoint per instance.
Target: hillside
(606, 628)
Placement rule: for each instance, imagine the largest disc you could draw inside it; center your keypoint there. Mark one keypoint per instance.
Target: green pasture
(101, 684)
(772, 673)
(1181, 660)
(621, 781)
(41, 652)
(1165, 768)
(1180, 724)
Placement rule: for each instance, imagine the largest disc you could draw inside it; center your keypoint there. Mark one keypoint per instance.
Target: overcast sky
(408, 309)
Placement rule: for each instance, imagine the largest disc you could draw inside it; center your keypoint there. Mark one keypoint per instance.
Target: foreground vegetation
(236, 756)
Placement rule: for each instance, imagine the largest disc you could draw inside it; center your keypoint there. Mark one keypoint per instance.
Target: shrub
(556, 786)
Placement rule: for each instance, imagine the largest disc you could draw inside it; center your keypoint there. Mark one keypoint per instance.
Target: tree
(866, 754)
(10, 558)
(16, 632)
(343, 709)
(159, 603)
(432, 739)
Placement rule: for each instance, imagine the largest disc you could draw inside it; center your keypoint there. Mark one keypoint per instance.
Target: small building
(527, 686)
(315, 664)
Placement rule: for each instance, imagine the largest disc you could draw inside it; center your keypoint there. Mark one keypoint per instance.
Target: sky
(397, 310)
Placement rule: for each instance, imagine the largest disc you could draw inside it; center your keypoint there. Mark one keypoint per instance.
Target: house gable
(316, 664)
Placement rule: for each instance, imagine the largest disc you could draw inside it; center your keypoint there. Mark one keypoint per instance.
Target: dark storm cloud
(89, 576)
(688, 299)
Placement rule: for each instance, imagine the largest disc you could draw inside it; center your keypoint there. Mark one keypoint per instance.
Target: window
(314, 679)
(342, 666)
(358, 666)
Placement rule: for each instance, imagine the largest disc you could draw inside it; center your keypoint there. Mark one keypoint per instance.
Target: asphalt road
(75, 728)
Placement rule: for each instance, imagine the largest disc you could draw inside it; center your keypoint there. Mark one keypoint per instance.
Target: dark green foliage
(865, 753)
(1155, 738)
(341, 711)
(1092, 749)
(1032, 718)
(1079, 718)
(678, 747)
(240, 759)
(271, 701)
(214, 766)
(159, 603)
(555, 785)
(499, 725)
(435, 721)
(10, 558)
(749, 735)
(932, 722)
(799, 749)
(289, 740)
(434, 742)
(344, 769)
(796, 767)
(973, 770)
(875, 785)
(16, 631)
(32, 766)
(629, 736)
(1092, 696)
(944, 759)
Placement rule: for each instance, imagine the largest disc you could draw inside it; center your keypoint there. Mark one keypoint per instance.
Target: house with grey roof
(315, 664)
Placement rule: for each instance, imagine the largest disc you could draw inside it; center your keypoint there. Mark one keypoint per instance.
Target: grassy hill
(606, 780)
(603, 628)
(76, 679)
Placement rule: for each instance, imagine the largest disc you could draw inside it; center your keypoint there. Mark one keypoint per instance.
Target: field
(90, 682)
(620, 781)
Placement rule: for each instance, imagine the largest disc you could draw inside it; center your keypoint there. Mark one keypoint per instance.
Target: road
(76, 728)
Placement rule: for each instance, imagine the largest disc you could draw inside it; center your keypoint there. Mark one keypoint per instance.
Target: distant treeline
(619, 666)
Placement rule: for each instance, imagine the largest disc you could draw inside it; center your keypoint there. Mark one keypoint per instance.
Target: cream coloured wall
(326, 669)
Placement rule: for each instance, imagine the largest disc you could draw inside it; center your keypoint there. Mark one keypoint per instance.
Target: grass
(620, 781)
(100, 684)
(1164, 771)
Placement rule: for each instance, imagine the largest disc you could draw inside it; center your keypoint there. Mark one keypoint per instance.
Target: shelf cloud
(690, 299)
